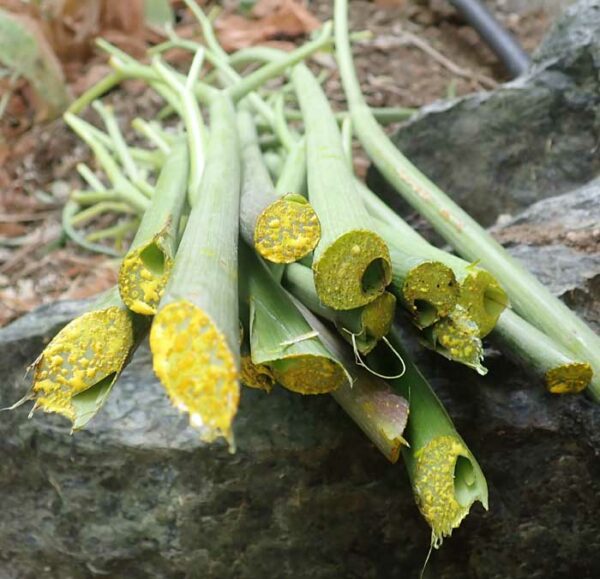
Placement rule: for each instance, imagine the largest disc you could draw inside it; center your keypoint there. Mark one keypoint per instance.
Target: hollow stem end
(353, 270)
(431, 291)
(144, 274)
(256, 376)
(447, 481)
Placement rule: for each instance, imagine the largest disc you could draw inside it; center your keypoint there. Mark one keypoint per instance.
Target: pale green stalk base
(351, 263)
(195, 334)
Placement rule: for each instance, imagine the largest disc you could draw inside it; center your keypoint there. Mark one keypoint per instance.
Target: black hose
(504, 45)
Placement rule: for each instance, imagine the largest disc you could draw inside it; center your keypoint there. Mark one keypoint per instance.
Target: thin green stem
(148, 131)
(69, 211)
(126, 190)
(110, 81)
(93, 197)
(98, 209)
(114, 132)
(90, 177)
(117, 231)
(192, 118)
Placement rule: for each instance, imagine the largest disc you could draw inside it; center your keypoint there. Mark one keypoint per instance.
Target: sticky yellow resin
(256, 375)
(309, 374)
(197, 368)
(90, 348)
(458, 335)
(569, 378)
(287, 230)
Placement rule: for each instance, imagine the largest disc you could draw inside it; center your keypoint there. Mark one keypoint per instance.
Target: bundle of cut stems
(479, 293)
(191, 284)
(195, 335)
(75, 373)
(362, 327)
(283, 229)
(540, 355)
(146, 268)
(281, 339)
(529, 297)
(351, 263)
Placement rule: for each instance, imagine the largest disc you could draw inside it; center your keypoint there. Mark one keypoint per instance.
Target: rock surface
(306, 495)
(530, 139)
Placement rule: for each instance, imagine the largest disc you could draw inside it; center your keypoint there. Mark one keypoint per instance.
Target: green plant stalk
(444, 474)
(195, 335)
(90, 177)
(427, 288)
(117, 231)
(280, 337)
(93, 197)
(367, 324)
(351, 263)
(283, 229)
(127, 191)
(220, 62)
(102, 207)
(130, 68)
(376, 409)
(529, 297)
(148, 263)
(542, 356)
(75, 373)
(253, 54)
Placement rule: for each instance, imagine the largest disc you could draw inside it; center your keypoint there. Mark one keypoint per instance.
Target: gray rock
(532, 138)
(137, 495)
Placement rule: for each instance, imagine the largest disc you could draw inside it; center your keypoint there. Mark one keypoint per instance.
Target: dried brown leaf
(273, 20)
